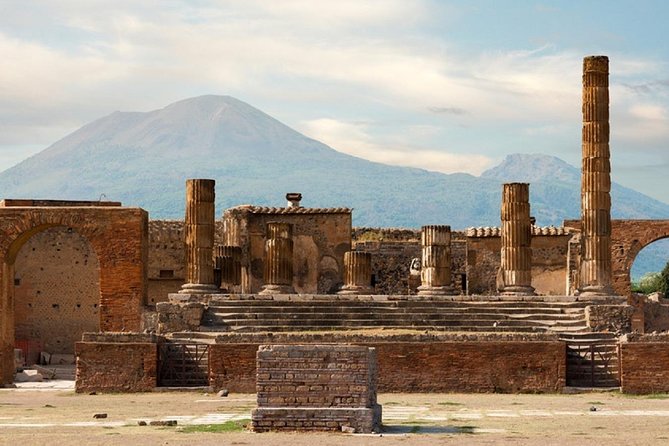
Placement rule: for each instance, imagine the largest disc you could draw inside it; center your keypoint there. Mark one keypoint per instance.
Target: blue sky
(446, 86)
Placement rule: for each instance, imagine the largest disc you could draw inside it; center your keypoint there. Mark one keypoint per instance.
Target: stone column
(228, 260)
(435, 272)
(278, 267)
(515, 278)
(595, 271)
(199, 229)
(357, 273)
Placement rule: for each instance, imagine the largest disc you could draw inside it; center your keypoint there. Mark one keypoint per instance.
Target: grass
(595, 403)
(449, 403)
(228, 426)
(649, 396)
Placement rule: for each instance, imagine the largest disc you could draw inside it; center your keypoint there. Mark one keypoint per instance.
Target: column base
(595, 291)
(435, 290)
(199, 288)
(517, 291)
(277, 289)
(355, 289)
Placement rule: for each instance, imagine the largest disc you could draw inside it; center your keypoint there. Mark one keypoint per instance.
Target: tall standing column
(435, 272)
(278, 268)
(357, 273)
(515, 278)
(595, 271)
(199, 231)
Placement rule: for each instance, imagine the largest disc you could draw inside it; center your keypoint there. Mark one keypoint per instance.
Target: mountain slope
(143, 159)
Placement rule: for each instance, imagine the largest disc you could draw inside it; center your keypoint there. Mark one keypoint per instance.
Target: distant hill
(143, 159)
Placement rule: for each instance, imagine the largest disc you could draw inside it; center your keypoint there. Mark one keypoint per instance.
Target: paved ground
(58, 416)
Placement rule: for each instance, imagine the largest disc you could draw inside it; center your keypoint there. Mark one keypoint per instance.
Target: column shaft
(595, 270)
(435, 272)
(357, 273)
(515, 278)
(278, 266)
(199, 237)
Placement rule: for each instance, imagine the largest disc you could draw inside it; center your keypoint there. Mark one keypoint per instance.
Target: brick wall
(57, 290)
(116, 366)
(316, 387)
(645, 364)
(416, 364)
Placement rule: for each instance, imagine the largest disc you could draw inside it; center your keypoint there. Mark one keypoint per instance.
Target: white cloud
(352, 138)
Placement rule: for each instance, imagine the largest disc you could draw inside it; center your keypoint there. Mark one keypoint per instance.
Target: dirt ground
(61, 417)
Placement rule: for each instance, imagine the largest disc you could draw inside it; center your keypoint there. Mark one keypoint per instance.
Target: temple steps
(278, 316)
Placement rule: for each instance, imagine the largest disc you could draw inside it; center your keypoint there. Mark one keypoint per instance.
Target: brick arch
(119, 237)
(628, 238)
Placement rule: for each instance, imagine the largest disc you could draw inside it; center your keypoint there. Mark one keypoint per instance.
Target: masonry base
(363, 420)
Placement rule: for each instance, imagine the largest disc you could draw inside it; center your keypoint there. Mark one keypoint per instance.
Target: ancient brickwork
(116, 366)
(320, 237)
(610, 318)
(643, 360)
(411, 363)
(56, 291)
(316, 387)
(167, 259)
(628, 238)
(119, 237)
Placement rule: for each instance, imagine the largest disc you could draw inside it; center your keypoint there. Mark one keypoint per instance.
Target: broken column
(515, 278)
(357, 273)
(435, 270)
(595, 271)
(199, 230)
(227, 260)
(278, 267)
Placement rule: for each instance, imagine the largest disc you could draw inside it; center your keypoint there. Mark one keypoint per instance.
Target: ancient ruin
(515, 272)
(595, 272)
(515, 308)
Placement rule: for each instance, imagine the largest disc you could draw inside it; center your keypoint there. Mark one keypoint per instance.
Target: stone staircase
(592, 359)
(254, 316)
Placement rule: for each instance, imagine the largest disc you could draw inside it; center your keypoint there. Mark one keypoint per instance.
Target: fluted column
(595, 272)
(228, 261)
(515, 277)
(199, 237)
(357, 273)
(435, 272)
(278, 267)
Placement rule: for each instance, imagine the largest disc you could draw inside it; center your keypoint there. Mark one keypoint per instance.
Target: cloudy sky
(451, 86)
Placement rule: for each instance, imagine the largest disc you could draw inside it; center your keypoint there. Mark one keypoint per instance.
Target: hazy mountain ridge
(143, 159)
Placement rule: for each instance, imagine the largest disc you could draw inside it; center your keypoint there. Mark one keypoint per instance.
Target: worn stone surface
(173, 317)
(613, 318)
(436, 261)
(278, 259)
(316, 387)
(595, 268)
(515, 272)
(56, 291)
(117, 235)
(116, 366)
(357, 273)
(199, 237)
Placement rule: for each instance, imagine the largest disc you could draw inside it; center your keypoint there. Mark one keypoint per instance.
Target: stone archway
(628, 238)
(118, 235)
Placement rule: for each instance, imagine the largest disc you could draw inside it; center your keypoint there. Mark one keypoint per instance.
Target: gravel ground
(58, 416)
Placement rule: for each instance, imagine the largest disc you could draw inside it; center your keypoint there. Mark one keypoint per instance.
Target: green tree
(664, 280)
(648, 283)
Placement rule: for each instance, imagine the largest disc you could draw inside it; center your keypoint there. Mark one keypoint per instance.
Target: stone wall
(411, 363)
(56, 291)
(316, 387)
(549, 263)
(320, 237)
(392, 252)
(612, 318)
(116, 366)
(643, 361)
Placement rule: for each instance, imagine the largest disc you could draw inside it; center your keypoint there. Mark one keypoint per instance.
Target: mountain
(143, 159)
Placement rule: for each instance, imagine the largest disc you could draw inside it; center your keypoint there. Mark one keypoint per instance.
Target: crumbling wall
(56, 292)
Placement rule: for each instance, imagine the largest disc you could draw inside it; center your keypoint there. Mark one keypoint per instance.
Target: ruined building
(518, 307)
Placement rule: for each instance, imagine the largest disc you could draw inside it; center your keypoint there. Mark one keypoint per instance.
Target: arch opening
(56, 290)
(647, 261)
